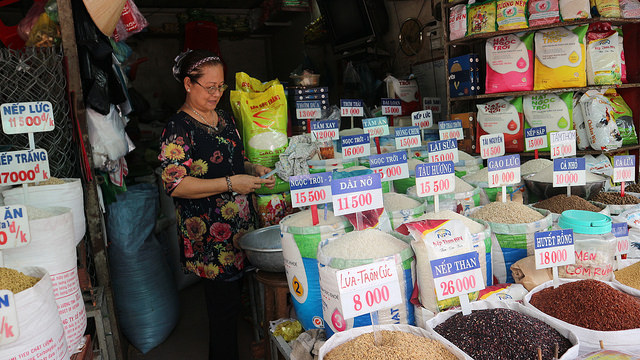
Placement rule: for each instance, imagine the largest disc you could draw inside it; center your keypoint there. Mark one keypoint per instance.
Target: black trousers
(223, 306)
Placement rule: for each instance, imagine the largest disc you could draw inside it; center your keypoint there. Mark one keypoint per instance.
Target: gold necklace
(202, 117)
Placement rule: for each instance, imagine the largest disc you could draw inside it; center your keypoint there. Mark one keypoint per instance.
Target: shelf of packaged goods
(586, 152)
(547, 91)
(467, 40)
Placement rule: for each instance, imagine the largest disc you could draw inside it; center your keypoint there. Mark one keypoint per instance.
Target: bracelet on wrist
(229, 184)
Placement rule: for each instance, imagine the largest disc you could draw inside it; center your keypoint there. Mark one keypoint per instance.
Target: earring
(188, 90)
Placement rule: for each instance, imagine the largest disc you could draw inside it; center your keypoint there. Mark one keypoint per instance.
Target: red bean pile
(502, 334)
(590, 304)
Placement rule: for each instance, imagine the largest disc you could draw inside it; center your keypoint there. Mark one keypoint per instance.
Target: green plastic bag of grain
(555, 111)
(402, 209)
(624, 117)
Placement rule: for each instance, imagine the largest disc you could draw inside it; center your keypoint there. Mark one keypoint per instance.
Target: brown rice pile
(15, 281)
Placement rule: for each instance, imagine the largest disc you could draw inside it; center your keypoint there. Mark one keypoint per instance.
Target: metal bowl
(545, 190)
(264, 248)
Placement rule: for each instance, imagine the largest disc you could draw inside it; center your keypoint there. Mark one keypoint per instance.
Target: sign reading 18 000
(21, 167)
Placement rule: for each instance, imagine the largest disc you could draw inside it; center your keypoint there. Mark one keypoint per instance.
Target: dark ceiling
(209, 4)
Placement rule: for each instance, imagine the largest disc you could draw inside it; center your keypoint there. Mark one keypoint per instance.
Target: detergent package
(511, 14)
(598, 117)
(502, 116)
(457, 22)
(603, 55)
(509, 63)
(481, 18)
(543, 12)
(554, 111)
(560, 58)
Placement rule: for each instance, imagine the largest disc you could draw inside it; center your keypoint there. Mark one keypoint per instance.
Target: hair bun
(177, 62)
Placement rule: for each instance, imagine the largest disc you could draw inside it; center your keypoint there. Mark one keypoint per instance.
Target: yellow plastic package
(607, 8)
(246, 83)
(481, 18)
(511, 14)
(560, 58)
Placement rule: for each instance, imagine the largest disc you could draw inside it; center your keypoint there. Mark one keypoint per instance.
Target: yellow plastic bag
(511, 14)
(560, 58)
(246, 83)
(481, 18)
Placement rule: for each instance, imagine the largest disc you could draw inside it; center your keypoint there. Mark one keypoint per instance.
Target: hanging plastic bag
(26, 24)
(107, 136)
(131, 22)
(45, 33)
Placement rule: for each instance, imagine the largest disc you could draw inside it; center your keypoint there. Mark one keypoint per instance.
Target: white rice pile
(481, 175)
(546, 175)
(34, 213)
(394, 202)
(304, 219)
(534, 166)
(413, 163)
(365, 244)
(463, 156)
(462, 186)
(473, 226)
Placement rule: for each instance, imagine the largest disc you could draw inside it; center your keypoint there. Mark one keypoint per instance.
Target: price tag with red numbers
(368, 288)
(27, 117)
(356, 194)
(554, 248)
(24, 166)
(391, 107)
(504, 170)
(392, 166)
(492, 145)
(457, 275)
(309, 109)
(435, 178)
(422, 119)
(351, 107)
(325, 130)
(9, 330)
(443, 150)
(450, 129)
(621, 232)
(407, 137)
(14, 227)
(563, 144)
(355, 146)
(535, 138)
(375, 127)
(312, 189)
(624, 168)
(569, 172)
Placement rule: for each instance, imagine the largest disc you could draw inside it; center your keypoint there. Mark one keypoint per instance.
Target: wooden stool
(276, 292)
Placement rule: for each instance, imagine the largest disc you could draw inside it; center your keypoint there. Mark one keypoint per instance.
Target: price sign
(422, 119)
(432, 103)
(563, 144)
(325, 130)
(391, 107)
(368, 288)
(356, 146)
(569, 172)
(25, 166)
(504, 170)
(457, 275)
(492, 145)
(450, 129)
(443, 150)
(621, 232)
(554, 248)
(310, 109)
(392, 166)
(312, 189)
(351, 107)
(624, 168)
(375, 127)
(14, 227)
(535, 138)
(407, 137)
(18, 118)
(435, 178)
(9, 330)
(356, 194)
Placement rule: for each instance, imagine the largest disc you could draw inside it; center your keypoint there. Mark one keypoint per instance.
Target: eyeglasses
(213, 89)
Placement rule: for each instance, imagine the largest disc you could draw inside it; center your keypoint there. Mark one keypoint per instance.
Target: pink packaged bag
(543, 12)
(509, 63)
(458, 22)
(131, 22)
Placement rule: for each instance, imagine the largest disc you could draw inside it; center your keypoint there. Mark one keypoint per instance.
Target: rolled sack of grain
(300, 239)
(516, 332)
(616, 202)
(360, 248)
(53, 247)
(480, 179)
(401, 209)
(465, 196)
(560, 203)
(58, 192)
(350, 345)
(513, 227)
(41, 335)
(594, 310)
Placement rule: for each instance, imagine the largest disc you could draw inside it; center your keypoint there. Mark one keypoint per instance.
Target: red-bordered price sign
(457, 275)
(624, 168)
(443, 150)
(504, 170)
(435, 178)
(563, 144)
(407, 137)
(356, 194)
(422, 119)
(310, 109)
(351, 107)
(355, 146)
(569, 172)
(14, 227)
(18, 118)
(392, 166)
(25, 166)
(492, 145)
(312, 189)
(450, 129)
(535, 138)
(325, 130)
(378, 126)
(9, 330)
(368, 288)
(554, 248)
(391, 107)
(621, 232)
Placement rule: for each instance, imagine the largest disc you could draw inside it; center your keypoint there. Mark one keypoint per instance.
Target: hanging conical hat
(105, 13)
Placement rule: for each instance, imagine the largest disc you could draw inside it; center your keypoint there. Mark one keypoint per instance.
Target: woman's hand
(260, 170)
(244, 184)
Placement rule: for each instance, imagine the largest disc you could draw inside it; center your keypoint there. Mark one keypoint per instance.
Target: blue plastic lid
(585, 222)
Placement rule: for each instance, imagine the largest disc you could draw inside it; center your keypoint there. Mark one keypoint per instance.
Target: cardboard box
(468, 144)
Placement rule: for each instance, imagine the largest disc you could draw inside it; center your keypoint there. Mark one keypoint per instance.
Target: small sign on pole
(552, 249)
(354, 146)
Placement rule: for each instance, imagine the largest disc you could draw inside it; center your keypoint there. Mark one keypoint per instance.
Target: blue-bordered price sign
(312, 189)
(457, 275)
(354, 146)
(391, 166)
(492, 145)
(14, 227)
(26, 117)
(422, 119)
(554, 248)
(378, 126)
(621, 232)
(435, 178)
(407, 137)
(443, 150)
(356, 194)
(24, 166)
(351, 107)
(504, 170)
(450, 129)
(563, 144)
(624, 168)
(9, 330)
(325, 130)
(391, 107)
(535, 138)
(569, 172)
(309, 109)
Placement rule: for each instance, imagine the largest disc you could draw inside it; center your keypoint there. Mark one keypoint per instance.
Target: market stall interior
(342, 179)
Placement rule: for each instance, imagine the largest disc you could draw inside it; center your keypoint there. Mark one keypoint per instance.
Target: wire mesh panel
(37, 74)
